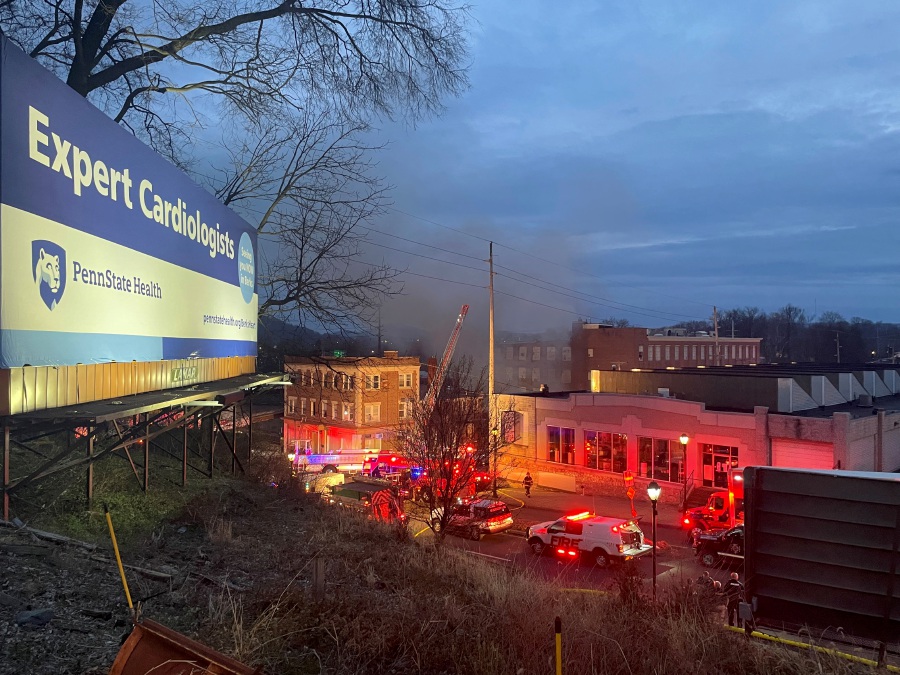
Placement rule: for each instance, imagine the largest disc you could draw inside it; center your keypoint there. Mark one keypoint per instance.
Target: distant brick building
(348, 403)
(600, 347)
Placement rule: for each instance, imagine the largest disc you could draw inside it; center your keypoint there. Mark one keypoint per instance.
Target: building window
(523, 353)
(677, 352)
(693, 352)
(535, 374)
(561, 445)
(551, 353)
(291, 405)
(313, 407)
(401, 410)
(373, 412)
(566, 353)
(717, 460)
(509, 354)
(373, 382)
(334, 410)
(605, 451)
(349, 382)
(753, 351)
(566, 377)
(523, 374)
(535, 353)
(658, 357)
(640, 352)
(702, 352)
(324, 408)
(668, 353)
(307, 378)
(590, 353)
(510, 374)
(347, 414)
(327, 381)
(510, 426)
(650, 353)
(660, 459)
(406, 380)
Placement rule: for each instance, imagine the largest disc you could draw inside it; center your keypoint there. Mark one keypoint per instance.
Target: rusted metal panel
(154, 648)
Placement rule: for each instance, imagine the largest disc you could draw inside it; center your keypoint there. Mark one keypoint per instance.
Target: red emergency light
(579, 516)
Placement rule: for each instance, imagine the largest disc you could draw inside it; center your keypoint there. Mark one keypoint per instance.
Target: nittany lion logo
(48, 260)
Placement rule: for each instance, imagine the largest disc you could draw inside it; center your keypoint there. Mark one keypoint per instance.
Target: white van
(598, 538)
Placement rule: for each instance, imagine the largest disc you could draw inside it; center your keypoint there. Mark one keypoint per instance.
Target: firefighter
(734, 593)
(528, 481)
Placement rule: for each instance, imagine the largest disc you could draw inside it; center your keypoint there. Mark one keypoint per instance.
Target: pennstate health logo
(48, 260)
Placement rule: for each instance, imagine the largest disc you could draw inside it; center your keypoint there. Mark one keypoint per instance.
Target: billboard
(107, 251)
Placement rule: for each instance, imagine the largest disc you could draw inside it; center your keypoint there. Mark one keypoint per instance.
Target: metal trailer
(822, 551)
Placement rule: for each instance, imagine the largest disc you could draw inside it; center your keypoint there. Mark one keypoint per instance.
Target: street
(675, 560)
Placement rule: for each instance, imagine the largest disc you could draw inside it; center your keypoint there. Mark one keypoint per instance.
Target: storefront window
(561, 445)
(553, 454)
(716, 462)
(568, 446)
(660, 459)
(605, 451)
(590, 450)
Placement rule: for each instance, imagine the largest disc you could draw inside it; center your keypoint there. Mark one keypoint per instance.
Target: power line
(551, 262)
(587, 297)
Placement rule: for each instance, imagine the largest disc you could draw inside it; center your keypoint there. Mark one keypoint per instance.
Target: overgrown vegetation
(245, 553)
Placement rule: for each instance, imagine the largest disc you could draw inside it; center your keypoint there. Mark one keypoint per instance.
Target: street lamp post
(653, 491)
(683, 439)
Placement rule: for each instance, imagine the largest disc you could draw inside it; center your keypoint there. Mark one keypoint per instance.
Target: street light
(683, 439)
(653, 491)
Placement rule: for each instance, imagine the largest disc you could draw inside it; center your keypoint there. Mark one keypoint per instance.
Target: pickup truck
(474, 518)
(720, 546)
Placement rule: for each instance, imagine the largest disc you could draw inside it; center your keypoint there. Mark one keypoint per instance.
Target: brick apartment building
(601, 347)
(348, 403)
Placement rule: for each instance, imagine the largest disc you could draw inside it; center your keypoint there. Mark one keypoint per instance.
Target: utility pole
(492, 421)
(837, 339)
(716, 333)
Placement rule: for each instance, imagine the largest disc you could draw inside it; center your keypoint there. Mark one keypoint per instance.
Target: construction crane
(435, 388)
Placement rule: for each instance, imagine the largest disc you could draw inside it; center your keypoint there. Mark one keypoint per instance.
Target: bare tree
(313, 186)
(294, 84)
(450, 442)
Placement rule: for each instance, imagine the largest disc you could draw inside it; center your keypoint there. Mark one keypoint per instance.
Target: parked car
(473, 519)
(721, 546)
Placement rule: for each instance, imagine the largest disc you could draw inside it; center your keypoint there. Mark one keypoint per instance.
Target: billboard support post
(184, 452)
(90, 465)
(249, 429)
(212, 442)
(146, 452)
(233, 438)
(5, 473)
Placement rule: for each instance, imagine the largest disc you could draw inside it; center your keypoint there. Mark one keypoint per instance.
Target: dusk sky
(648, 160)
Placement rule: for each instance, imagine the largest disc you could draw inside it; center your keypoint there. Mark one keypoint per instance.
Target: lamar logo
(48, 260)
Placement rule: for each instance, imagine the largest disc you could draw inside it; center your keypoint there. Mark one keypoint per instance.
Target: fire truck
(723, 509)
(303, 460)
